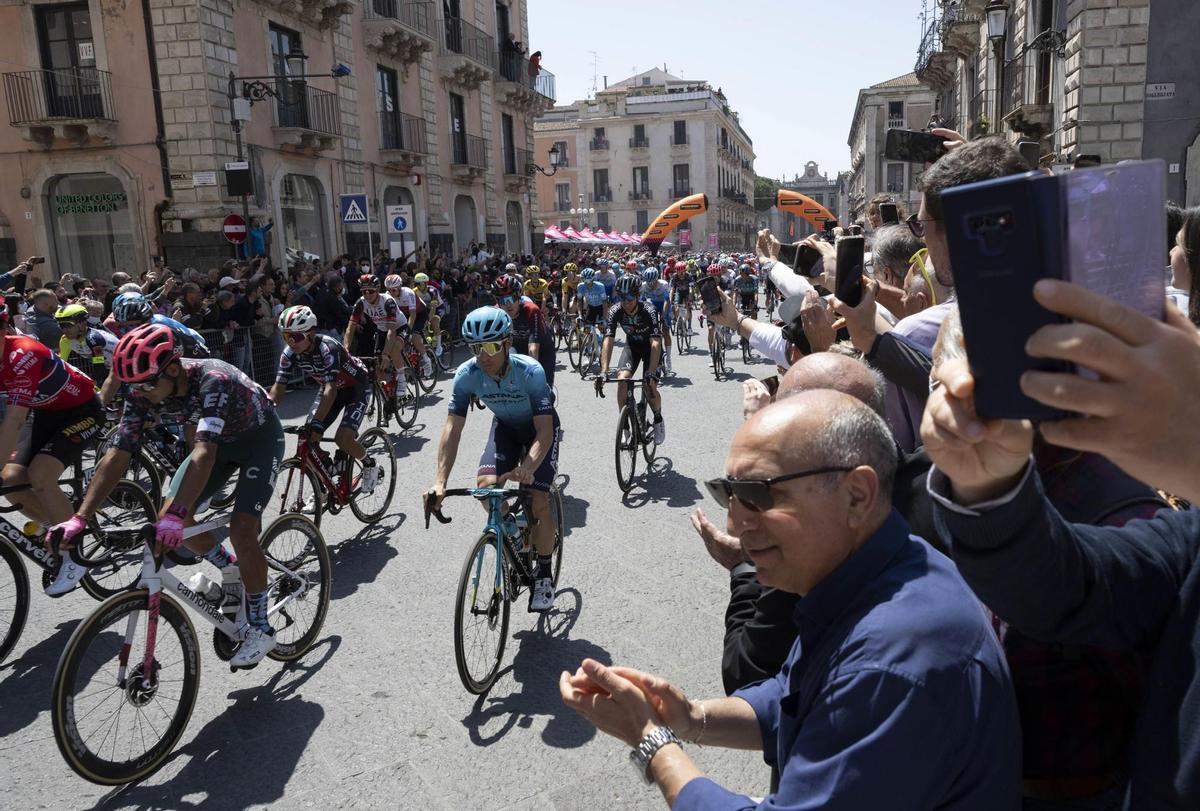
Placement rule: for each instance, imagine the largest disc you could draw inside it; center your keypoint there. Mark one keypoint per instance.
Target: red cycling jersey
(34, 377)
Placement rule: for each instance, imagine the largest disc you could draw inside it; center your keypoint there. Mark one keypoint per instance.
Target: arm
(902, 362)
(204, 456)
(110, 471)
(14, 418)
(325, 403)
(348, 338)
(108, 389)
(276, 392)
(448, 448)
(605, 355)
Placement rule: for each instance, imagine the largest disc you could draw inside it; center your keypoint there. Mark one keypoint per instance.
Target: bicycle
(310, 482)
(158, 688)
(681, 327)
(589, 345)
(107, 555)
(506, 549)
(747, 352)
(716, 351)
(386, 399)
(772, 300)
(441, 347)
(633, 431)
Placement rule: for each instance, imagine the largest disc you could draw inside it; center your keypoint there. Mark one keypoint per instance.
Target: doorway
(458, 129)
(465, 225)
(68, 51)
(514, 226)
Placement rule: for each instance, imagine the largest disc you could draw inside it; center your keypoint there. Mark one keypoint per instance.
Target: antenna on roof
(595, 70)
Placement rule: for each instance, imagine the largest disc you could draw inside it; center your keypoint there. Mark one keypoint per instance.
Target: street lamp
(996, 13)
(584, 214)
(532, 167)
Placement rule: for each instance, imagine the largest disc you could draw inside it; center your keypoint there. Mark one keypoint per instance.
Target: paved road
(374, 715)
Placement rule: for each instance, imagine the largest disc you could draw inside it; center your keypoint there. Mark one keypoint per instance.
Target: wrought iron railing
(300, 105)
(602, 196)
(416, 15)
(400, 131)
(44, 95)
(598, 144)
(468, 150)
(639, 143)
(515, 67)
(460, 37)
(931, 44)
(678, 191)
(679, 141)
(515, 161)
(641, 194)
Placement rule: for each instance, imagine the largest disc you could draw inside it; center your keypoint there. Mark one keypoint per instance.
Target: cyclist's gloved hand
(314, 427)
(69, 529)
(599, 385)
(169, 531)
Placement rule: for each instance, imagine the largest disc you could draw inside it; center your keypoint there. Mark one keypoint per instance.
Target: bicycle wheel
(745, 351)
(481, 616)
(296, 557)
(425, 382)
(126, 507)
(376, 410)
(574, 348)
(649, 445)
(14, 597)
(296, 491)
(627, 448)
(720, 366)
(113, 730)
(141, 471)
(560, 529)
(408, 399)
(370, 507)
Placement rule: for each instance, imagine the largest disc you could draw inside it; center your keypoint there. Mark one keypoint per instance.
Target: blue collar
(829, 598)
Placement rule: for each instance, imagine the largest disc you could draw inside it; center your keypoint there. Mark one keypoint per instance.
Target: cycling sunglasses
(755, 494)
(295, 337)
(150, 385)
(488, 347)
(504, 301)
(629, 297)
(366, 290)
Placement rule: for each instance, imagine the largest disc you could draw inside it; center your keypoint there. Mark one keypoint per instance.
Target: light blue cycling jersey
(657, 296)
(745, 284)
(591, 292)
(519, 396)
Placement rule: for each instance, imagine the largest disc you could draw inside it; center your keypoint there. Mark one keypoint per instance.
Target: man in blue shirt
(895, 694)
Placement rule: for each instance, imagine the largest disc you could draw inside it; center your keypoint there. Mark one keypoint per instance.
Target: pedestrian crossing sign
(354, 209)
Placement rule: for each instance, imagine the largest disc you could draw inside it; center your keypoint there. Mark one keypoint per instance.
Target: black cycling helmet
(629, 285)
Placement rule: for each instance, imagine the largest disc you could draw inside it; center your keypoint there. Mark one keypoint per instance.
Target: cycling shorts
(254, 456)
(634, 355)
(353, 400)
(507, 445)
(594, 315)
(64, 435)
(419, 321)
(748, 301)
(682, 295)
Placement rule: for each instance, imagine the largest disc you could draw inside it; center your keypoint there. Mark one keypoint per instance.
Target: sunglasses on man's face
(150, 385)
(755, 494)
(504, 301)
(295, 337)
(629, 297)
(487, 348)
(367, 291)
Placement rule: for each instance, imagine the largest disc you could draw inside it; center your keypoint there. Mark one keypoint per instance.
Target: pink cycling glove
(169, 531)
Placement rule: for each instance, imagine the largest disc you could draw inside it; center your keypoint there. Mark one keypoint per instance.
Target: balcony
(935, 66)
(518, 88)
(725, 151)
(639, 143)
(1024, 101)
(598, 144)
(680, 144)
(641, 194)
(468, 54)
(401, 30)
(517, 174)
(402, 141)
(959, 30)
(602, 196)
(468, 157)
(563, 205)
(735, 196)
(306, 118)
(678, 192)
(72, 105)
(747, 164)
(322, 14)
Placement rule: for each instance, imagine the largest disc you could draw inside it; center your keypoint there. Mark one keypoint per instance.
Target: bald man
(895, 692)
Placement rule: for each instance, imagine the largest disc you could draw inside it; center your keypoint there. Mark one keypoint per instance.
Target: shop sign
(88, 203)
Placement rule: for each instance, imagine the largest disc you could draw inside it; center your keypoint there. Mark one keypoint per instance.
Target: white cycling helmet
(393, 282)
(297, 319)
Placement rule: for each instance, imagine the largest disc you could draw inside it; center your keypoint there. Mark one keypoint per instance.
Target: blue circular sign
(400, 224)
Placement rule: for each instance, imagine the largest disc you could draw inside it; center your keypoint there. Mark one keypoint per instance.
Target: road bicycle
(311, 483)
(634, 431)
(395, 395)
(716, 350)
(559, 327)
(747, 352)
(441, 347)
(128, 678)
(584, 350)
(772, 300)
(109, 554)
(501, 564)
(681, 328)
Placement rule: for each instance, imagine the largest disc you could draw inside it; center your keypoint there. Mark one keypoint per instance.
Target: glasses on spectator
(917, 225)
(755, 494)
(487, 347)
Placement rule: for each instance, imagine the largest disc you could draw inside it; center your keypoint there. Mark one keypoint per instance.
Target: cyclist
(377, 314)
(590, 297)
(714, 272)
(430, 294)
(416, 313)
(643, 346)
(607, 276)
(681, 292)
(523, 443)
(570, 280)
(132, 310)
(96, 345)
(657, 295)
(746, 286)
(530, 333)
(67, 419)
(232, 426)
(344, 381)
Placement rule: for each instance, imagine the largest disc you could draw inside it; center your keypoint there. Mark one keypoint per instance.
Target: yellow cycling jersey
(536, 288)
(569, 284)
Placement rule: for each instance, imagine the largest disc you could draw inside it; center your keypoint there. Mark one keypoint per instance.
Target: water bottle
(231, 585)
(206, 588)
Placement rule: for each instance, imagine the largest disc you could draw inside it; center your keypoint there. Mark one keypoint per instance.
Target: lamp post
(532, 167)
(996, 13)
(255, 88)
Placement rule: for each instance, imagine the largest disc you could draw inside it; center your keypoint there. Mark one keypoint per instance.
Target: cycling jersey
(640, 326)
(221, 401)
(569, 283)
(191, 341)
(327, 361)
(520, 395)
(536, 289)
(657, 296)
(97, 344)
(409, 301)
(594, 293)
(745, 284)
(608, 279)
(34, 377)
(384, 313)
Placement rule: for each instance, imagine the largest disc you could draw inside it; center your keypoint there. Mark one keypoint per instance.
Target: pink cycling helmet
(143, 353)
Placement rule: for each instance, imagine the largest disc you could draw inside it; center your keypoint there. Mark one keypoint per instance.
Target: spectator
(189, 309)
(894, 644)
(39, 320)
(1185, 266)
(331, 309)
(8, 280)
(892, 253)
(256, 239)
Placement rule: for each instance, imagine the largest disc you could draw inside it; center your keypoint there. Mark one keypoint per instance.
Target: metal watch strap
(648, 747)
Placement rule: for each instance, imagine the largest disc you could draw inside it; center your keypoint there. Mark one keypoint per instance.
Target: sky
(791, 70)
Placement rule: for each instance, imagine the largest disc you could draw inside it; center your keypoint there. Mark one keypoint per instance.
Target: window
(895, 177)
(562, 196)
(389, 108)
(598, 132)
(292, 104)
(681, 175)
(641, 182)
(562, 152)
(895, 115)
(639, 136)
(645, 81)
(458, 129)
(506, 146)
(602, 220)
(302, 206)
(601, 191)
(643, 220)
(680, 135)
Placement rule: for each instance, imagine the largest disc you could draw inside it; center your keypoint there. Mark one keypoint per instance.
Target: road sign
(399, 219)
(1160, 91)
(234, 229)
(354, 209)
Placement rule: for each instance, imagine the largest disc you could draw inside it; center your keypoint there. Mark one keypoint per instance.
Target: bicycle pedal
(235, 668)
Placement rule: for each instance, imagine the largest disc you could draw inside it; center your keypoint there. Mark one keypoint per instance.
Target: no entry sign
(234, 229)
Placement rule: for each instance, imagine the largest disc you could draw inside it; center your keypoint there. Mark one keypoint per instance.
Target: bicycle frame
(496, 497)
(340, 491)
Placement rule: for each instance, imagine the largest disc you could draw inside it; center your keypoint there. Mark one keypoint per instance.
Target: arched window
(302, 211)
(90, 225)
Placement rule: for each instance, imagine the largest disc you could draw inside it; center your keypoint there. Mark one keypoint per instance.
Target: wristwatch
(766, 266)
(641, 755)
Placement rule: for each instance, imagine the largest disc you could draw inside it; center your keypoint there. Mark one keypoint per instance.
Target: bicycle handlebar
(476, 492)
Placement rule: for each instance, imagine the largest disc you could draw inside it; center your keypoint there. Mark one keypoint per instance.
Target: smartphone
(772, 384)
(788, 254)
(854, 230)
(850, 251)
(889, 213)
(1031, 153)
(827, 230)
(913, 146)
(710, 295)
(808, 262)
(37, 260)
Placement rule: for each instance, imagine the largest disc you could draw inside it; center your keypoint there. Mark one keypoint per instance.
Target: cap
(789, 309)
(227, 281)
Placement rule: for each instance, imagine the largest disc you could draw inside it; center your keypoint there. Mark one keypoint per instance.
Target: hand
(169, 531)
(722, 547)
(860, 319)
(521, 474)
(983, 460)
(728, 316)
(69, 529)
(670, 705)
(767, 246)
(817, 322)
(828, 274)
(438, 491)
(755, 397)
(1140, 413)
(616, 705)
(953, 139)
(24, 267)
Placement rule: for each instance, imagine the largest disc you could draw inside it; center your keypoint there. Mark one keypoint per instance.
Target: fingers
(1084, 345)
(1071, 392)
(955, 375)
(1080, 304)
(955, 417)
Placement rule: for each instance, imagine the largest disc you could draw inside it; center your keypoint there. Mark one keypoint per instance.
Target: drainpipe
(160, 140)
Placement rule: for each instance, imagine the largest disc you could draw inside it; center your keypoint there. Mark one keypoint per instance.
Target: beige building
(827, 191)
(121, 125)
(640, 145)
(899, 103)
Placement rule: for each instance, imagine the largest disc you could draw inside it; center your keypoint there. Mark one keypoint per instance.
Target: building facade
(829, 192)
(1114, 78)
(899, 103)
(122, 120)
(640, 145)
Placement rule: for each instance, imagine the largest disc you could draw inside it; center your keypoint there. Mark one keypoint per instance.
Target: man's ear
(862, 492)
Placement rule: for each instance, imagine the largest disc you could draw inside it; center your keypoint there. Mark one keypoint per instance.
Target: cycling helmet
(588, 274)
(743, 268)
(650, 274)
(570, 267)
(142, 354)
(129, 307)
(615, 266)
(368, 280)
(297, 319)
(631, 265)
(421, 278)
(70, 313)
(691, 263)
(533, 270)
(505, 286)
(629, 285)
(394, 282)
(487, 324)
(714, 269)
(511, 267)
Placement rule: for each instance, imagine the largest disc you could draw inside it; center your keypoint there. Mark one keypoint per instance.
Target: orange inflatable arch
(804, 207)
(679, 212)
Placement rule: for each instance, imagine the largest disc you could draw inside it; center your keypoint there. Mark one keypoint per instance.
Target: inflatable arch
(804, 207)
(679, 212)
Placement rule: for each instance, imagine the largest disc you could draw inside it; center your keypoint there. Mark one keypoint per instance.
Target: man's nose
(740, 518)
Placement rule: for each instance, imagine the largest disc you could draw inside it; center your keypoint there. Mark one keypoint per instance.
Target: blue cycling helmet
(743, 268)
(487, 324)
(588, 274)
(615, 266)
(129, 307)
(650, 274)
